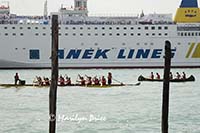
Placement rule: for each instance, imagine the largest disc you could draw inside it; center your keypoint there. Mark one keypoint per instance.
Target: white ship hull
(101, 42)
(83, 49)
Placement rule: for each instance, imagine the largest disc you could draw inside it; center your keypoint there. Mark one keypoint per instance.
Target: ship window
(199, 34)
(74, 34)
(165, 27)
(21, 28)
(89, 34)
(13, 27)
(103, 34)
(34, 54)
(118, 34)
(36, 34)
(166, 34)
(81, 28)
(138, 34)
(153, 34)
(44, 28)
(110, 28)
(5, 27)
(138, 43)
(139, 28)
(160, 28)
(36, 27)
(146, 28)
(185, 34)
(6, 34)
(66, 34)
(66, 28)
(21, 34)
(153, 28)
(14, 34)
(145, 43)
(188, 34)
(132, 34)
(103, 28)
(159, 34)
(151, 43)
(81, 34)
(96, 34)
(88, 28)
(110, 34)
(125, 28)
(117, 28)
(44, 34)
(192, 34)
(29, 28)
(125, 34)
(59, 34)
(181, 33)
(132, 28)
(147, 34)
(74, 28)
(196, 34)
(95, 28)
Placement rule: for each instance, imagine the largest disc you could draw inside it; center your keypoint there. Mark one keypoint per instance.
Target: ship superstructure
(101, 42)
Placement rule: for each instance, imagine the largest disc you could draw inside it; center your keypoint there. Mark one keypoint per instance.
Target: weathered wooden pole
(54, 76)
(165, 101)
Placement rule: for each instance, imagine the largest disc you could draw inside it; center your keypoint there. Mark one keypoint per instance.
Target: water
(128, 109)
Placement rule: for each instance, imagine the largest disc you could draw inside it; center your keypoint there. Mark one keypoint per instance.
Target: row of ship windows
(96, 34)
(188, 33)
(103, 28)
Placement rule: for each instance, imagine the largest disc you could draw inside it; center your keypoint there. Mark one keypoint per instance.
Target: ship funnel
(188, 12)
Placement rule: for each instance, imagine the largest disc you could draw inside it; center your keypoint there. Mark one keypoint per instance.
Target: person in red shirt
(157, 76)
(103, 80)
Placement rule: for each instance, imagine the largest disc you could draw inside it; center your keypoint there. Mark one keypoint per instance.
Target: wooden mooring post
(54, 76)
(165, 100)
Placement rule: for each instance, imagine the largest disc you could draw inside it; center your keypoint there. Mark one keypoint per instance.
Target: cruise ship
(100, 41)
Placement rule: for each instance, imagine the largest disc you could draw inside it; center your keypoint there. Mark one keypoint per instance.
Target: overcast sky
(113, 7)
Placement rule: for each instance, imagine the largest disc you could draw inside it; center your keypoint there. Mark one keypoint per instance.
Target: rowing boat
(94, 86)
(189, 79)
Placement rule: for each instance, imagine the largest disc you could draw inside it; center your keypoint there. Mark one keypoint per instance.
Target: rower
(16, 77)
(184, 75)
(157, 76)
(109, 78)
(89, 81)
(178, 76)
(82, 80)
(170, 75)
(152, 76)
(68, 81)
(103, 81)
(61, 80)
(96, 81)
(46, 81)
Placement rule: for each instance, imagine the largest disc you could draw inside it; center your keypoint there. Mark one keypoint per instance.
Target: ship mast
(45, 9)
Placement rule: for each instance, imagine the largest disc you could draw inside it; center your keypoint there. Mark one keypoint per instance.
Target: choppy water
(127, 109)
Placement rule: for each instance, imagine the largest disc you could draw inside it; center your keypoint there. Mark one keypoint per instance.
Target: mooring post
(165, 101)
(54, 76)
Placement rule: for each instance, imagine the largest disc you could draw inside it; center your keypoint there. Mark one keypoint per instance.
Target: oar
(117, 81)
(136, 84)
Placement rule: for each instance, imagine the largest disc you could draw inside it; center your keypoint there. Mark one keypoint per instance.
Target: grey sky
(115, 7)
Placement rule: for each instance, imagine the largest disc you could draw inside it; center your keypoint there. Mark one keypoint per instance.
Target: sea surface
(127, 109)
